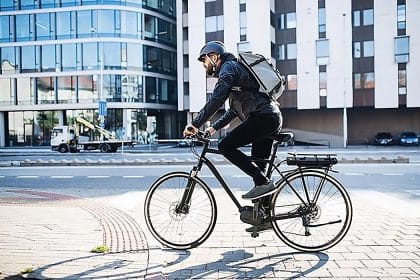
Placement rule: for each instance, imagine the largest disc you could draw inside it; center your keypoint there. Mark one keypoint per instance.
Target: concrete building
(351, 65)
(59, 58)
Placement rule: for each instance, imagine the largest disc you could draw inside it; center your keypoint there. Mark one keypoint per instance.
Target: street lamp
(101, 103)
(344, 86)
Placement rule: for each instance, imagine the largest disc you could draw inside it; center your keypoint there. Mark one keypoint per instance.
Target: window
(401, 18)
(291, 20)
(129, 24)
(47, 3)
(368, 49)
(357, 50)
(7, 5)
(84, 27)
(282, 52)
(401, 49)
(368, 17)
(151, 89)
(363, 49)
(287, 51)
(90, 56)
(112, 55)
(45, 86)
(242, 26)
(106, 22)
(28, 59)
(357, 81)
(63, 25)
(363, 80)
(322, 52)
(134, 56)
(402, 81)
(47, 58)
(8, 60)
(214, 23)
(149, 26)
(292, 82)
(22, 27)
(43, 26)
(4, 29)
(369, 80)
(66, 89)
(27, 4)
(291, 51)
(356, 18)
(323, 81)
(322, 27)
(68, 56)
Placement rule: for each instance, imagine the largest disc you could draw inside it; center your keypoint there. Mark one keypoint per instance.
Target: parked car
(408, 138)
(383, 138)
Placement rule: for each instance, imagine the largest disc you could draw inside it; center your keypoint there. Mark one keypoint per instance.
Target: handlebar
(200, 136)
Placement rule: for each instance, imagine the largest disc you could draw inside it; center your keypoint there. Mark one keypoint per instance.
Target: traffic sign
(102, 108)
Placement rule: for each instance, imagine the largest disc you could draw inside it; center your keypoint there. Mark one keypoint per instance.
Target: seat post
(272, 158)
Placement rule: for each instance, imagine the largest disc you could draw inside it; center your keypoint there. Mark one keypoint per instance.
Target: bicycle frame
(184, 202)
(204, 160)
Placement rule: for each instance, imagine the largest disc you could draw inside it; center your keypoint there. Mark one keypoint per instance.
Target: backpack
(270, 80)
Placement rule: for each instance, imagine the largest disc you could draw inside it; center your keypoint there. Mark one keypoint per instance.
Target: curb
(163, 161)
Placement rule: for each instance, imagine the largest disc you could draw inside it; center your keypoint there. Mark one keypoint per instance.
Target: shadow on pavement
(239, 264)
(109, 265)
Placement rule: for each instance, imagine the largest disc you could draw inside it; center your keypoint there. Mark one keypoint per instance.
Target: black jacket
(242, 103)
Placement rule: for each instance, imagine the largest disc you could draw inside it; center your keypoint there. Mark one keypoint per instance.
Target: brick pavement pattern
(54, 236)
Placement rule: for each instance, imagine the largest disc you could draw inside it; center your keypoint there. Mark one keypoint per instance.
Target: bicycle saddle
(281, 136)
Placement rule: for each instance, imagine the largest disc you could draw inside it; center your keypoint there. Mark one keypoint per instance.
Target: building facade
(351, 65)
(60, 58)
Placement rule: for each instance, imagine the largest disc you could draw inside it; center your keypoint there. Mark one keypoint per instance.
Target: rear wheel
(180, 230)
(319, 223)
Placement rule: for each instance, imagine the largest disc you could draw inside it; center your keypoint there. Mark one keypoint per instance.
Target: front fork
(183, 206)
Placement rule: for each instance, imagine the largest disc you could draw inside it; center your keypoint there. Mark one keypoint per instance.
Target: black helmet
(216, 47)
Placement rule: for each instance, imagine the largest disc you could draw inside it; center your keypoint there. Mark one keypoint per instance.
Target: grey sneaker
(262, 227)
(260, 191)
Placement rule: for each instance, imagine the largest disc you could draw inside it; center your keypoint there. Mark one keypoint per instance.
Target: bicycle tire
(333, 205)
(180, 231)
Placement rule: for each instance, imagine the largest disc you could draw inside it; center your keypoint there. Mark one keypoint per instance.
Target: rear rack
(312, 160)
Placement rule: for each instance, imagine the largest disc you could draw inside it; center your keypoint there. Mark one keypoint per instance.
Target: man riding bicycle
(260, 115)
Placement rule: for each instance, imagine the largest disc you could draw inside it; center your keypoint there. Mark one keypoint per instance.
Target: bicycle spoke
(184, 229)
(321, 217)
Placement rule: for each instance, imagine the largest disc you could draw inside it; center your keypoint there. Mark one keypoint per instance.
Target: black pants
(255, 130)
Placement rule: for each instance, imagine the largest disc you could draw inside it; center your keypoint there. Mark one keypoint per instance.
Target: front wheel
(312, 211)
(170, 227)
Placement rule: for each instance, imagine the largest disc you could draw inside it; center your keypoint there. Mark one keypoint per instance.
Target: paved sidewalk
(53, 233)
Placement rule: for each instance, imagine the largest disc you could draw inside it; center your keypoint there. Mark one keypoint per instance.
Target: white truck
(68, 139)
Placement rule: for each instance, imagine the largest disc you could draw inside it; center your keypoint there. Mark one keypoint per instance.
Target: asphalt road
(402, 179)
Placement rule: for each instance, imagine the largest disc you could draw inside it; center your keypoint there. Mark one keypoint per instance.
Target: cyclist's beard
(210, 70)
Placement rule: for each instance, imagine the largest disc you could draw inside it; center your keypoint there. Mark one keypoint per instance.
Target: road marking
(27, 177)
(393, 174)
(354, 174)
(61, 177)
(1, 176)
(97, 176)
(133, 176)
(206, 176)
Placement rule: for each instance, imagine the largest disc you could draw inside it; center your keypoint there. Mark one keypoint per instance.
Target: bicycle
(310, 211)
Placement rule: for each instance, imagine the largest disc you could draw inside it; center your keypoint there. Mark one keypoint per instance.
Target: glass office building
(59, 58)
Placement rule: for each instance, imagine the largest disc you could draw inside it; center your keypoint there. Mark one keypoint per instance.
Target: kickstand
(254, 233)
